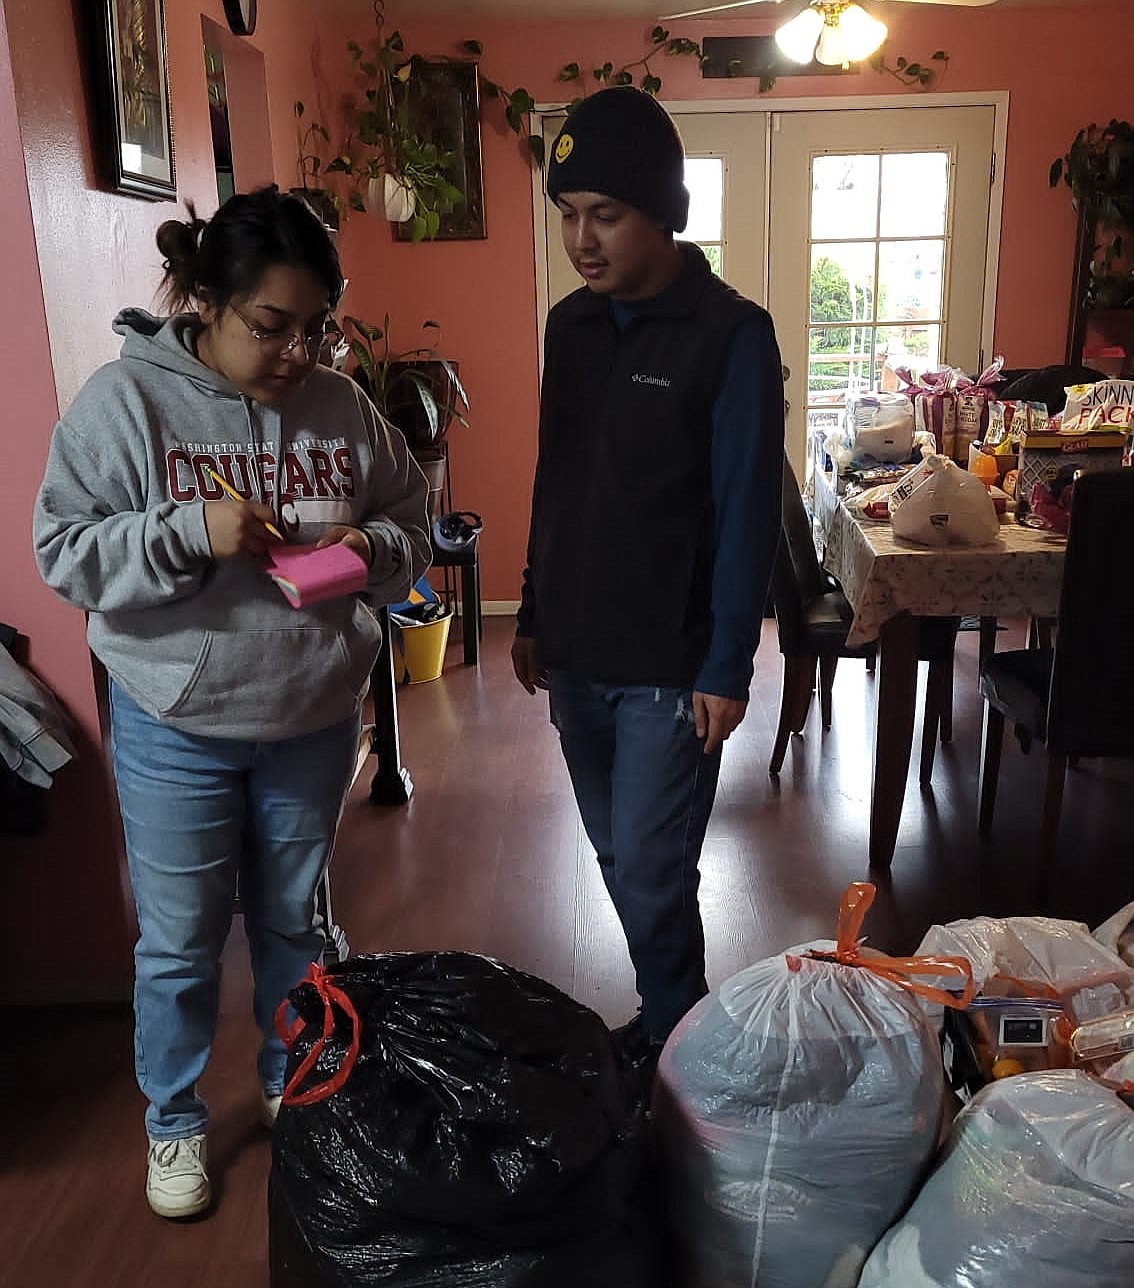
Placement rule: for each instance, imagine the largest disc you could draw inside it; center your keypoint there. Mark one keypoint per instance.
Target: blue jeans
(645, 791)
(202, 815)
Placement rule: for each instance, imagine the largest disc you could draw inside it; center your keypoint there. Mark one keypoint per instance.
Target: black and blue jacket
(656, 508)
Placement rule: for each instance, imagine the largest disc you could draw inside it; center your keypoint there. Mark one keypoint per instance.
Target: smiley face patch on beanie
(623, 144)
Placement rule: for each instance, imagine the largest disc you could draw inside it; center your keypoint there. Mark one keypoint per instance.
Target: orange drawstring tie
(902, 971)
(332, 996)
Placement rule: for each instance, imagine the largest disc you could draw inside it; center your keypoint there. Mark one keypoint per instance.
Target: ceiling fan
(834, 32)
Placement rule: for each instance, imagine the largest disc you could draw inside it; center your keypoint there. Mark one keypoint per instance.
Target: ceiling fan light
(796, 39)
(856, 36)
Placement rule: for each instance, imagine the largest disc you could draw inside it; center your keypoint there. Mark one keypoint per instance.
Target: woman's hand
(354, 538)
(237, 528)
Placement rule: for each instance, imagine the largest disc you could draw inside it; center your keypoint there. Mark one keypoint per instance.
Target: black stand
(392, 784)
(467, 562)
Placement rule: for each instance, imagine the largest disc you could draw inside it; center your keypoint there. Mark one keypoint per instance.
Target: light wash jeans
(202, 815)
(645, 791)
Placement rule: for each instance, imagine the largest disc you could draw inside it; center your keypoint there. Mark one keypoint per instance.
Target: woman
(234, 717)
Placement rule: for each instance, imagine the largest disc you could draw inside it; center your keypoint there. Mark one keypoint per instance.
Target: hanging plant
(519, 104)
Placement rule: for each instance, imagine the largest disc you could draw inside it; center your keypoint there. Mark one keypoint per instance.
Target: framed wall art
(441, 102)
(136, 126)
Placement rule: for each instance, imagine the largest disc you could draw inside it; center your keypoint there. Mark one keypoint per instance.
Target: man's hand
(525, 662)
(714, 718)
(237, 528)
(352, 538)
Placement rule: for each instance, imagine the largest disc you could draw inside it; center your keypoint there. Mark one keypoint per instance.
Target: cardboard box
(1043, 455)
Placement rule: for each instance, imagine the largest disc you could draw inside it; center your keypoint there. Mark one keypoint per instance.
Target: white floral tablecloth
(882, 575)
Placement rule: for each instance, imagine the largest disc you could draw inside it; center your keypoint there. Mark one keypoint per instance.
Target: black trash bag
(487, 1135)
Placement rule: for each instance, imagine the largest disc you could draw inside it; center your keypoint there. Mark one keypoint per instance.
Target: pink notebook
(306, 575)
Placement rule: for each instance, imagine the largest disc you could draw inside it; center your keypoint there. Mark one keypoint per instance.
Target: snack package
(1105, 405)
(947, 506)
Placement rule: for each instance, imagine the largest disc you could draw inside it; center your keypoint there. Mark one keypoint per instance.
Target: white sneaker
(269, 1109)
(177, 1184)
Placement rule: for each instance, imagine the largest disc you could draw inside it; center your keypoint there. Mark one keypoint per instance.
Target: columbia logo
(660, 381)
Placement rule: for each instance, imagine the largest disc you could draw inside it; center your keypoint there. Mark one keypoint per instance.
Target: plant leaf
(538, 149)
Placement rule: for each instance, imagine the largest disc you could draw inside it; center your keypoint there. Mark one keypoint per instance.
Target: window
(704, 177)
(879, 240)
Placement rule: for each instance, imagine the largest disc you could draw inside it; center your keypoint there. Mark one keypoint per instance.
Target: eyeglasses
(285, 342)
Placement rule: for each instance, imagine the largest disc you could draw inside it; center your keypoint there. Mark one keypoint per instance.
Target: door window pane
(704, 177)
(842, 282)
(915, 194)
(910, 280)
(844, 197)
(916, 347)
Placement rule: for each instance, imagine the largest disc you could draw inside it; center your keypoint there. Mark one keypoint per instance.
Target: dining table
(891, 583)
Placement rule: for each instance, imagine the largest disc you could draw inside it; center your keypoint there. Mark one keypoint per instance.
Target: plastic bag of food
(1117, 933)
(1062, 956)
(947, 507)
(879, 426)
(1036, 1188)
(451, 1122)
(797, 1109)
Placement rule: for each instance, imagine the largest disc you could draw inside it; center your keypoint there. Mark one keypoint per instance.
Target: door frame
(996, 99)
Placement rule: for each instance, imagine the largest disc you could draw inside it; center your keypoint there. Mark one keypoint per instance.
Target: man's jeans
(201, 814)
(645, 790)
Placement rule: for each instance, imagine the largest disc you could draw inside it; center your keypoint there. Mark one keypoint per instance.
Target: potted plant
(1099, 169)
(309, 166)
(418, 390)
(389, 166)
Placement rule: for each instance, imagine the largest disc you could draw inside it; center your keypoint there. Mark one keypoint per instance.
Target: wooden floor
(489, 857)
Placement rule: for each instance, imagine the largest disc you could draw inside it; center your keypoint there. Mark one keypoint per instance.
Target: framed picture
(136, 126)
(442, 105)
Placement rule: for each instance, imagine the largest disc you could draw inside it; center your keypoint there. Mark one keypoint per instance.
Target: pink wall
(482, 292)
(71, 257)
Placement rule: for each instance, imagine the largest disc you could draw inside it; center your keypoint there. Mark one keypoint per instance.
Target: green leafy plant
(380, 140)
(912, 74)
(309, 163)
(1098, 167)
(418, 390)
(519, 103)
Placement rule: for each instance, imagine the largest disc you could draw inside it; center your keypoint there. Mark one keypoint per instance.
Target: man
(655, 518)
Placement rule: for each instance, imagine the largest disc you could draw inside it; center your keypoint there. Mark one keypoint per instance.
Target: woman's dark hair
(225, 257)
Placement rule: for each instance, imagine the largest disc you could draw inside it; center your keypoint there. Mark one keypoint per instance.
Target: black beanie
(622, 142)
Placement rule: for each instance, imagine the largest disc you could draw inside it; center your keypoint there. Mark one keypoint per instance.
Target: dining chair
(1072, 697)
(814, 618)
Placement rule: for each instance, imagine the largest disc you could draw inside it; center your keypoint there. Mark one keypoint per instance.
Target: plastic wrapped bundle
(798, 1108)
(1036, 1189)
(486, 1134)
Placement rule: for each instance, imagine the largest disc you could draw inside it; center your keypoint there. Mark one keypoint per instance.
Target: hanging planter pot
(391, 197)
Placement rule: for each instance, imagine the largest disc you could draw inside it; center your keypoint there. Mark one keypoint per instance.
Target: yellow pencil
(229, 490)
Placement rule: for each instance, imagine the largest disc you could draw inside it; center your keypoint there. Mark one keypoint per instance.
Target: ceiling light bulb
(797, 38)
(855, 36)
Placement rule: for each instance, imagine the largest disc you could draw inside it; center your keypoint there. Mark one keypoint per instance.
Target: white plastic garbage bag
(1089, 977)
(1035, 1190)
(797, 1109)
(1117, 933)
(948, 507)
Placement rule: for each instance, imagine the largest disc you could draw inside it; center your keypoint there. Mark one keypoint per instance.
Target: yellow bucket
(419, 650)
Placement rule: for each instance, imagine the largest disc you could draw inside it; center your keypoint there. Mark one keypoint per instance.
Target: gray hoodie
(211, 646)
